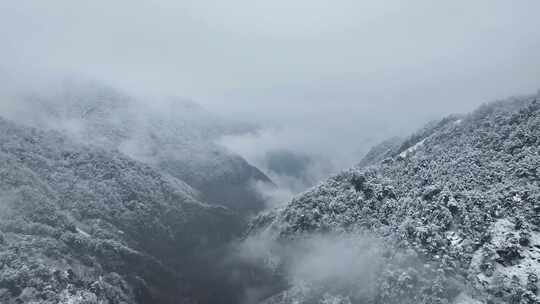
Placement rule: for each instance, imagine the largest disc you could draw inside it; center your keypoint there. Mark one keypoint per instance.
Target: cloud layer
(321, 76)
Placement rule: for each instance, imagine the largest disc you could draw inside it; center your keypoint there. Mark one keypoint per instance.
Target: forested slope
(452, 212)
(79, 224)
(170, 134)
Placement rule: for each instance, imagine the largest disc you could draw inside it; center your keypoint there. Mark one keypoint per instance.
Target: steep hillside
(173, 135)
(80, 224)
(449, 215)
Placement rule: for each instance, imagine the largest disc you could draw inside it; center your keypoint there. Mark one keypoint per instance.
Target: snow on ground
(79, 230)
(464, 298)
(454, 238)
(529, 262)
(412, 149)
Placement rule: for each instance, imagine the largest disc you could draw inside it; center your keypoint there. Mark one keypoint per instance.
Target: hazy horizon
(328, 78)
(216, 152)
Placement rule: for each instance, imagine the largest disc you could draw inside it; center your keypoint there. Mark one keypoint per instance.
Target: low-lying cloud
(317, 265)
(292, 157)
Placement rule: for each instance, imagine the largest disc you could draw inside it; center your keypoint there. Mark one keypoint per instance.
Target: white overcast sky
(331, 67)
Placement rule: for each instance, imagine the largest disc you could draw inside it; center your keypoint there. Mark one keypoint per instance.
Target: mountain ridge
(459, 198)
(174, 135)
(86, 225)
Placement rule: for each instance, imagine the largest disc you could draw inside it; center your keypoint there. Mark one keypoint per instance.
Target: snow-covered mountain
(105, 198)
(80, 224)
(173, 135)
(448, 215)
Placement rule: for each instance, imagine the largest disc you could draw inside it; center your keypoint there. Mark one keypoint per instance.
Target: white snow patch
(531, 254)
(455, 240)
(457, 122)
(530, 263)
(464, 298)
(86, 234)
(412, 149)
